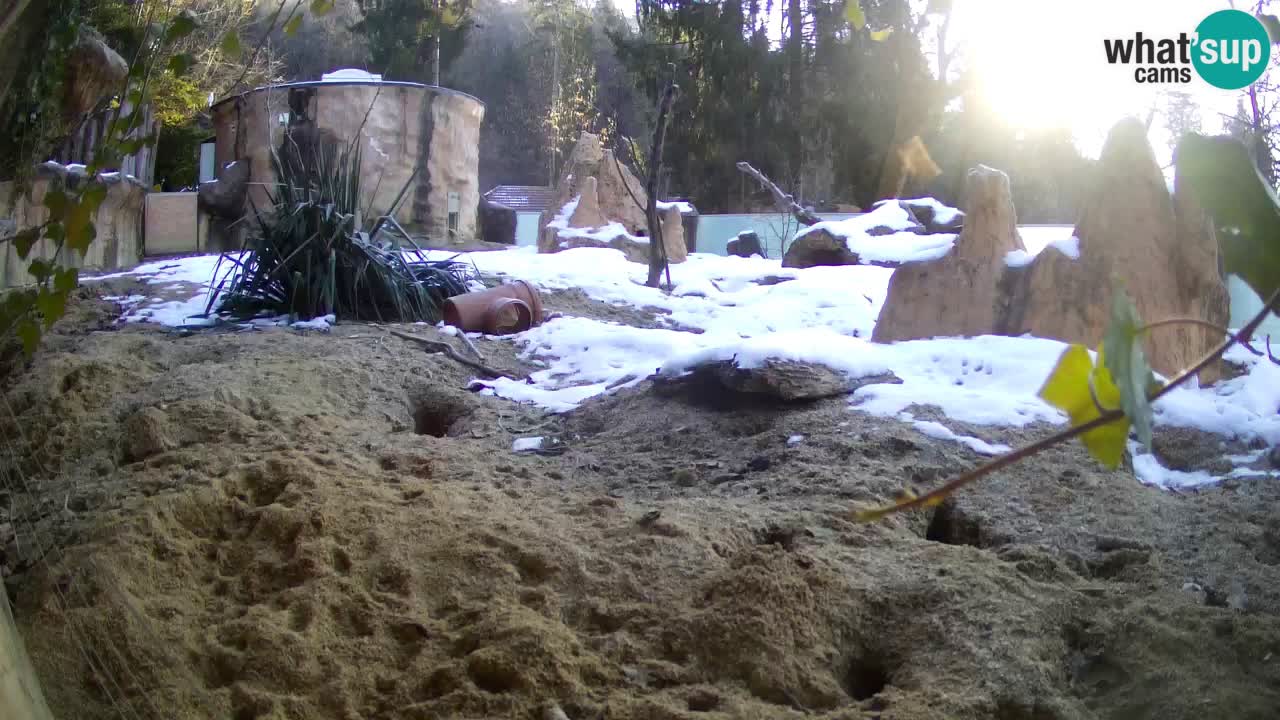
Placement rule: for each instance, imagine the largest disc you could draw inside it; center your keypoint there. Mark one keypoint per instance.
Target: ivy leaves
(1120, 382)
(1221, 173)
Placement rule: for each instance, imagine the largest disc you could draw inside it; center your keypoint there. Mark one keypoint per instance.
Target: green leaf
(881, 35)
(41, 269)
(1272, 24)
(179, 64)
(52, 306)
(25, 240)
(1072, 388)
(29, 332)
(320, 8)
(1221, 175)
(1127, 363)
(66, 279)
(134, 97)
(93, 196)
(80, 229)
(291, 27)
(231, 44)
(56, 202)
(853, 13)
(182, 25)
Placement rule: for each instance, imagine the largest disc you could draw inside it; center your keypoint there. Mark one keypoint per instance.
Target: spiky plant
(310, 253)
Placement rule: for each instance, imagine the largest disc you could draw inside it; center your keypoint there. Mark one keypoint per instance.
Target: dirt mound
(276, 525)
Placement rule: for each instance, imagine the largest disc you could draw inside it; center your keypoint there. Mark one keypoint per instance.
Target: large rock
(957, 294)
(1160, 248)
(581, 222)
(672, 225)
(225, 196)
(497, 222)
(745, 245)
(933, 216)
(787, 380)
(93, 72)
(620, 196)
(818, 247)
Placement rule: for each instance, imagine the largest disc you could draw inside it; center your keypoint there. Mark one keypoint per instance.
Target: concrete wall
(118, 222)
(405, 126)
(173, 224)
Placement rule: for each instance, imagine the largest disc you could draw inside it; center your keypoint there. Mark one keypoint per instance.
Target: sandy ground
(268, 524)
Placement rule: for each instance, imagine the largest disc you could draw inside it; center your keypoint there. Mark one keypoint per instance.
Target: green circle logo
(1232, 49)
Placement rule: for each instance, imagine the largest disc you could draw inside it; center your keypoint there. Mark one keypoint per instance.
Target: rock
(616, 186)
(147, 433)
(818, 247)
(745, 245)
(497, 222)
(788, 380)
(956, 294)
(672, 225)
(587, 226)
(925, 211)
(225, 196)
(1273, 457)
(1160, 248)
(586, 214)
(94, 71)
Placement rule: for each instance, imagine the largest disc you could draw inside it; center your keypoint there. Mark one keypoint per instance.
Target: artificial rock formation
(1161, 249)
(93, 71)
(600, 218)
(956, 294)
(621, 196)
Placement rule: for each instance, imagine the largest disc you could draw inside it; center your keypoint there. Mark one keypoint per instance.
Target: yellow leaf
(881, 35)
(853, 13)
(1068, 389)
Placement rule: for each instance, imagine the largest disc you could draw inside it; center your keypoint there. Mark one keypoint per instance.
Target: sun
(1040, 64)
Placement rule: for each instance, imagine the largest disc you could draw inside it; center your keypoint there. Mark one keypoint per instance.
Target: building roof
(523, 198)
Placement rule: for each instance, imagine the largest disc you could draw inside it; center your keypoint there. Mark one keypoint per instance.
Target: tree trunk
(657, 249)
(795, 91)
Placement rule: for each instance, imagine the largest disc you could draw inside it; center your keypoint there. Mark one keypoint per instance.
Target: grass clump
(311, 253)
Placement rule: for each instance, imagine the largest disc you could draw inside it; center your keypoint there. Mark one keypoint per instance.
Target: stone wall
(119, 224)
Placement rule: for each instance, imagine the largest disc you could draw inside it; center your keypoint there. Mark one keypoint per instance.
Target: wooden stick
(448, 350)
(785, 202)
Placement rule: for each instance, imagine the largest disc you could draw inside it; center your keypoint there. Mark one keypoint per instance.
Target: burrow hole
(434, 414)
(952, 526)
(864, 678)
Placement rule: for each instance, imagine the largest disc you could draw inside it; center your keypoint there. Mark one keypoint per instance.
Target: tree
(413, 39)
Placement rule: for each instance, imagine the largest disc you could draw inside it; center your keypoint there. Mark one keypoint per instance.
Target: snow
(942, 432)
(321, 324)
(1018, 258)
(899, 246)
(750, 310)
(1069, 247)
(602, 234)
(527, 444)
(680, 205)
(942, 214)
